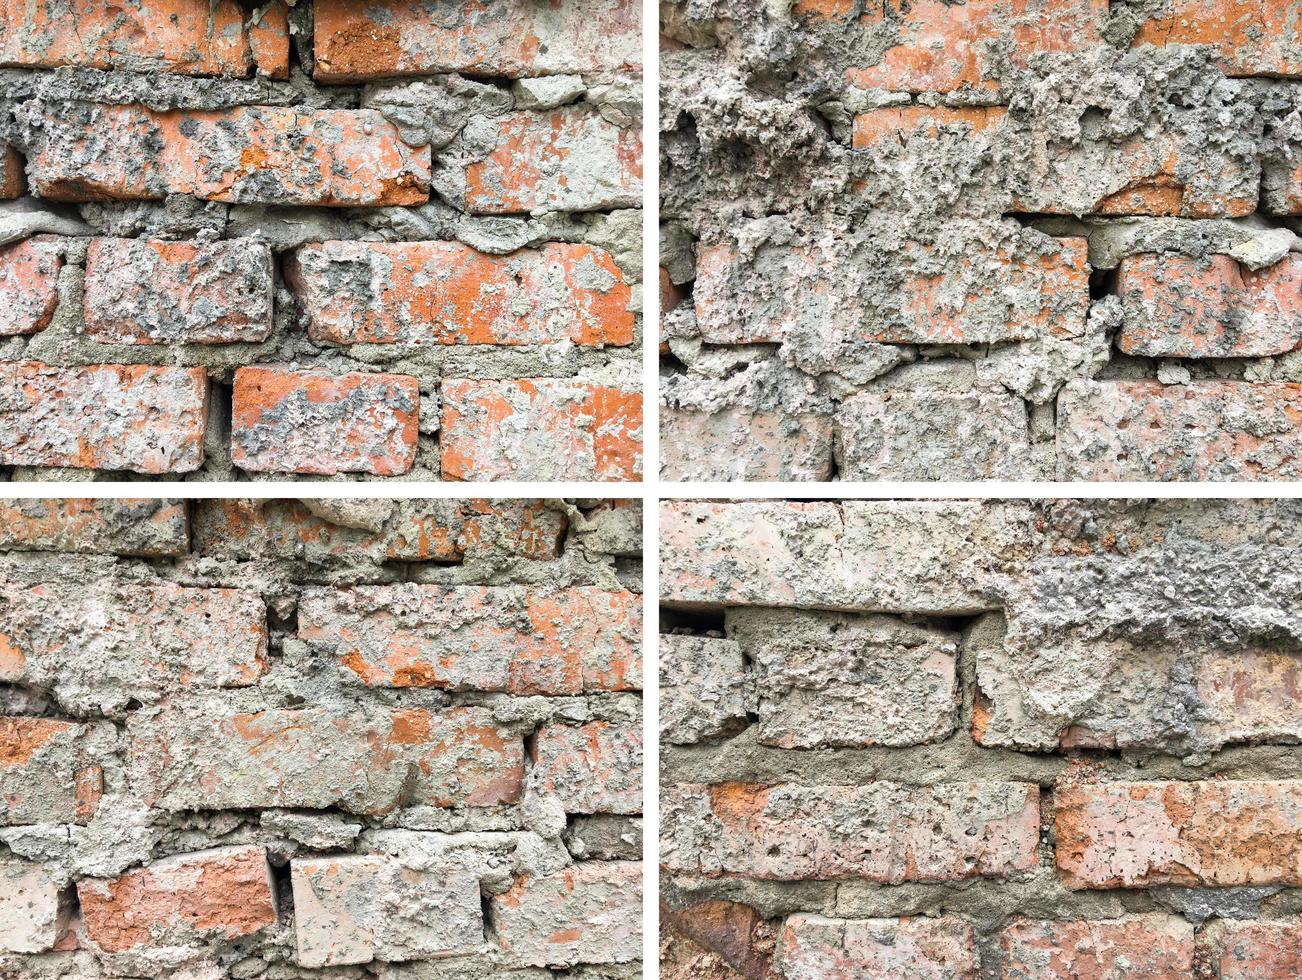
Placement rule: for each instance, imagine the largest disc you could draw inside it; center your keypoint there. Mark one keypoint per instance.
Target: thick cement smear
(274, 739)
(177, 161)
(891, 238)
(995, 738)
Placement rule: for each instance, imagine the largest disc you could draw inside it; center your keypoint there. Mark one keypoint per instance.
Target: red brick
(149, 528)
(205, 753)
(29, 284)
(591, 768)
(479, 638)
(47, 773)
(1257, 950)
(1149, 947)
(569, 159)
(1001, 297)
(882, 832)
(13, 178)
(225, 892)
(540, 429)
(104, 416)
(893, 122)
(242, 155)
(1250, 37)
(1204, 430)
(812, 947)
(286, 421)
(269, 39)
(1197, 834)
(187, 37)
(447, 293)
(154, 292)
(588, 913)
(943, 47)
(1211, 307)
(357, 42)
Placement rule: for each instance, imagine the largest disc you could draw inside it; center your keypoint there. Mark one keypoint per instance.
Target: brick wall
(1002, 239)
(381, 239)
(981, 739)
(293, 739)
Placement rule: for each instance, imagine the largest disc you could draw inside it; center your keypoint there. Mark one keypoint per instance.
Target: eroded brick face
(233, 732)
(863, 756)
(325, 213)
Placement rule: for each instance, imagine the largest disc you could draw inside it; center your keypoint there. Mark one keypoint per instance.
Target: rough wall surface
(285, 740)
(992, 239)
(390, 239)
(980, 739)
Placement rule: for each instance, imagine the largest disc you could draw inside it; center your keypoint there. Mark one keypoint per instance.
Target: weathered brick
(153, 292)
(286, 421)
(355, 908)
(99, 646)
(34, 911)
(1281, 186)
(568, 159)
(1151, 947)
(47, 772)
(883, 832)
(241, 155)
(592, 768)
(479, 638)
(226, 891)
(29, 285)
(1204, 430)
(941, 48)
(1177, 306)
(588, 913)
(13, 176)
(896, 122)
(186, 37)
(1212, 834)
(416, 293)
(1000, 296)
(416, 530)
(835, 680)
(105, 416)
(1249, 37)
(226, 754)
(813, 947)
(539, 429)
(394, 38)
(869, 556)
(1256, 950)
(96, 525)
(741, 442)
(705, 689)
(926, 435)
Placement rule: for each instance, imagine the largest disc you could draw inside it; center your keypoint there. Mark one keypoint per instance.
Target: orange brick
(43, 761)
(448, 293)
(944, 46)
(151, 528)
(813, 947)
(29, 284)
(1148, 947)
(106, 416)
(1177, 306)
(1250, 37)
(269, 39)
(386, 38)
(479, 638)
(591, 768)
(187, 37)
(226, 892)
(13, 179)
(876, 125)
(540, 429)
(549, 161)
(1197, 834)
(152, 292)
(287, 421)
(246, 154)
(1257, 950)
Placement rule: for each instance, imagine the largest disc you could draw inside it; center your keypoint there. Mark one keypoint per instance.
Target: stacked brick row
(294, 739)
(1003, 239)
(1000, 739)
(384, 239)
